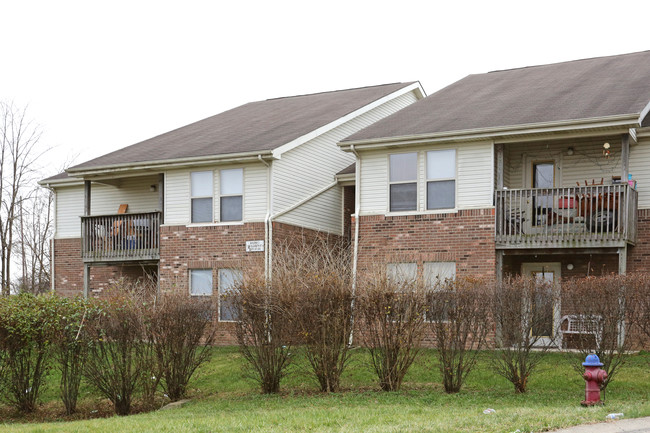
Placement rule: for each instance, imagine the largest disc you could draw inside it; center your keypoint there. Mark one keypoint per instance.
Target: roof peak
(566, 62)
(341, 90)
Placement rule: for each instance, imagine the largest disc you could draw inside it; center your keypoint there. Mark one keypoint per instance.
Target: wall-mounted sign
(254, 246)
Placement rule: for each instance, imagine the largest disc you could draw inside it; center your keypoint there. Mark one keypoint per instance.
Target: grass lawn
(223, 401)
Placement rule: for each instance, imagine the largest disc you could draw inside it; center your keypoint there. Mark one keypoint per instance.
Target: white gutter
(267, 221)
(169, 163)
(625, 120)
(355, 254)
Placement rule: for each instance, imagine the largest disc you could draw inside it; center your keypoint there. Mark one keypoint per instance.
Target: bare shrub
(118, 355)
(601, 304)
(265, 333)
(26, 324)
(318, 275)
(70, 341)
(460, 322)
(391, 323)
(525, 332)
(638, 307)
(180, 329)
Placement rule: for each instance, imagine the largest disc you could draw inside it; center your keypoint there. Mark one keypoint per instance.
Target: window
(232, 189)
(440, 299)
(436, 273)
(228, 279)
(201, 191)
(201, 282)
(403, 181)
(441, 179)
(403, 273)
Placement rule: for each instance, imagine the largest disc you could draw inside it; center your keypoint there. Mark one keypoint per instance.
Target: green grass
(223, 401)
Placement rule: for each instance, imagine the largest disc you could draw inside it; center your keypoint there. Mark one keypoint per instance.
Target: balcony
(595, 216)
(120, 238)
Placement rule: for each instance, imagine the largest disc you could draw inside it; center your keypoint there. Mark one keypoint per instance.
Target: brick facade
(638, 256)
(465, 237)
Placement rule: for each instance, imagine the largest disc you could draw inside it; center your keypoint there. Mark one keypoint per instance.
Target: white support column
(625, 157)
(622, 260)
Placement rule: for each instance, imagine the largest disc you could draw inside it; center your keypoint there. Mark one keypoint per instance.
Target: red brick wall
(69, 275)
(465, 237)
(638, 256)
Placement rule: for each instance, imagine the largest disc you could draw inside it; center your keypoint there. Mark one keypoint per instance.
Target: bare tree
(35, 232)
(18, 153)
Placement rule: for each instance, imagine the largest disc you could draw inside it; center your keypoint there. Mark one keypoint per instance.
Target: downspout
(267, 222)
(357, 210)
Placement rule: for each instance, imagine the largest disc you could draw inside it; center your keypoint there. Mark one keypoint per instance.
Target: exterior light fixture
(606, 151)
(569, 266)
(569, 151)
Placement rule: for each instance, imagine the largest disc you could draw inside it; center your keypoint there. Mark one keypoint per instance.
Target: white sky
(98, 76)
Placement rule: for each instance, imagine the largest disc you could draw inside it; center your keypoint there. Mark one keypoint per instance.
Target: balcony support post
(622, 260)
(499, 173)
(161, 197)
(625, 157)
(86, 198)
(86, 279)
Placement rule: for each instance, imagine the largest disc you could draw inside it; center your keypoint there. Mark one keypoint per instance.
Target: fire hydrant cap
(592, 361)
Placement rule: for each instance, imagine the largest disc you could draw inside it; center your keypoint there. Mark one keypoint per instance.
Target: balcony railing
(123, 237)
(578, 217)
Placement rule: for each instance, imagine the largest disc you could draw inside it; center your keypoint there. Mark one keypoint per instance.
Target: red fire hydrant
(594, 376)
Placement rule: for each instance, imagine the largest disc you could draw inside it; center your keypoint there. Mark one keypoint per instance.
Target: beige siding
(177, 193)
(69, 207)
(134, 191)
(586, 163)
(474, 177)
(640, 169)
(320, 213)
(308, 168)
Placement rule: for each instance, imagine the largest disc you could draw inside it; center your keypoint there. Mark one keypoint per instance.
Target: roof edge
(629, 120)
(172, 163)
(408, 87)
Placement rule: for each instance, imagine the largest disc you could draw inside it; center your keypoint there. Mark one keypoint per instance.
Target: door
(542, 174)
(544, 302)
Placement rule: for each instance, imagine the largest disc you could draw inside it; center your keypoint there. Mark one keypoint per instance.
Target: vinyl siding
(178, 190)
(640, 170)
(586, 163)
(320, 213)
(474, 177)
(134, 191)
(69, 207)
(306, 169)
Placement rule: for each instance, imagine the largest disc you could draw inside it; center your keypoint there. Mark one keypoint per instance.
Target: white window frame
(223, 290)
(221, 195)
(404, 182)
(211, 283)
(429, 180)
(211, 197)
(399, 270)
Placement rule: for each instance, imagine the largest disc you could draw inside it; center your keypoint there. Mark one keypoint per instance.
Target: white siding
(322, 213)
(134, 191)
(373, 188)
(69, 208)
(308, 168)
(640, 169)
(474, 176)
(177, 193)
(586, 163)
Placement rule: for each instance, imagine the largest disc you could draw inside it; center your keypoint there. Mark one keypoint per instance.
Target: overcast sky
(98, 76)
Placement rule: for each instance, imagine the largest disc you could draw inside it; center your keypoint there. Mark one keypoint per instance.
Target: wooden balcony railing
(578, 217)
(123, 237)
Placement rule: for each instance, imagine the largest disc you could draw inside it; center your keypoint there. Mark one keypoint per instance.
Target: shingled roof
(253, 127)
(582, 89)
